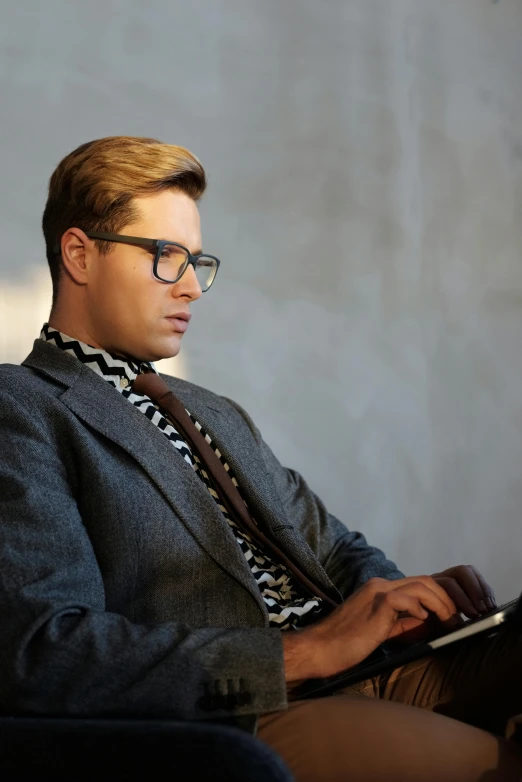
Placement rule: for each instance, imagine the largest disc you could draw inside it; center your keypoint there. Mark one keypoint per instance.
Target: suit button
(243, 698)
(206, 702)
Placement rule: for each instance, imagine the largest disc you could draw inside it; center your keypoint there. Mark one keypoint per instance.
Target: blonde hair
(94, 187)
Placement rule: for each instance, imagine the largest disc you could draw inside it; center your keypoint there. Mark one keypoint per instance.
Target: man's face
(130, 311)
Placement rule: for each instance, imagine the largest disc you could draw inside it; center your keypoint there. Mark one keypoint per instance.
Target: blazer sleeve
(347, 558)
(62, 653)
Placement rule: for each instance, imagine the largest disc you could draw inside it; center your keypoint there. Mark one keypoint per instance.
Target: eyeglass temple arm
(119, 238)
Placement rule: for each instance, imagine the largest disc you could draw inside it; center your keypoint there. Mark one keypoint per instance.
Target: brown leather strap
(152, 385)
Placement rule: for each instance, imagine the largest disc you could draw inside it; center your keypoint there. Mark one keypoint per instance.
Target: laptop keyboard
(496, 610)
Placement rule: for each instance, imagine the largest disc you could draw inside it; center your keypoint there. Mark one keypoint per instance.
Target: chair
(116, 750)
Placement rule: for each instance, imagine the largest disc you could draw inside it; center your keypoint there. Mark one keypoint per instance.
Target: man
(156, 564)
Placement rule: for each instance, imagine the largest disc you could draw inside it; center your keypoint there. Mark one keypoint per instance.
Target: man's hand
(376, 612)
(468, 589)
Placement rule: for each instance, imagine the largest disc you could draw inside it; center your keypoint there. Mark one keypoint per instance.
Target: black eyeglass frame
(158, 244)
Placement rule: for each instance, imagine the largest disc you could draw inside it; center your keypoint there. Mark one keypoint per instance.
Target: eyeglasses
(171, 259)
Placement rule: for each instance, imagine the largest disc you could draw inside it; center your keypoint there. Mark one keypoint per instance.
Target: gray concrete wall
(365, 166)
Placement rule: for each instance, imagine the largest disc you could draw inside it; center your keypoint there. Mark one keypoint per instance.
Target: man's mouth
(180, 321)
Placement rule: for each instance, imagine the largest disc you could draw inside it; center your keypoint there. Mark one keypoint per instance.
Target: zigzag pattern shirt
(289, 606)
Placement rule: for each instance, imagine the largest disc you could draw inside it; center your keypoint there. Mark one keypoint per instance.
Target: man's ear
(76, 250)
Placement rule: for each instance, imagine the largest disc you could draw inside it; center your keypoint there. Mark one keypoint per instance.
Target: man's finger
(488, 592)
(381, 585)
(430, 583)
(458, 596)
(425, 597)
(476, 588)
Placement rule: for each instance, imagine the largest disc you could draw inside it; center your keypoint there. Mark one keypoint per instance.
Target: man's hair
(94, 188)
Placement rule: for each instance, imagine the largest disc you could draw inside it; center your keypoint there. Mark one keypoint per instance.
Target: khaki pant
(439, 718)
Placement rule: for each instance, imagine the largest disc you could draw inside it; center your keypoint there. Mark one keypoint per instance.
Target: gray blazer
(122, 588)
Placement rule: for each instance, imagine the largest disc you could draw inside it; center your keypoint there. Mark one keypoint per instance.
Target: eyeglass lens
(173, 261)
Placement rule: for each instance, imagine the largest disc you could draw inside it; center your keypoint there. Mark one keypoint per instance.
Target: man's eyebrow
(198, 252)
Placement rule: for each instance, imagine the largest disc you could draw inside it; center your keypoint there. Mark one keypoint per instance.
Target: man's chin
(162, 349)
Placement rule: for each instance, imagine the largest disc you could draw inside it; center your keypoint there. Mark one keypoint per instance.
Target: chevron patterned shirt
(289, 606)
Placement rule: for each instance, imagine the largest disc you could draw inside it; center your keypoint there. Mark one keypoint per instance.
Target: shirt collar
(119, 371)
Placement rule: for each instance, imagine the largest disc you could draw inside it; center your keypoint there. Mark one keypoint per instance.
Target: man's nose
(188, 285)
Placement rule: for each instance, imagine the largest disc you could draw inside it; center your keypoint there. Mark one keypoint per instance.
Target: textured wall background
(365, 165)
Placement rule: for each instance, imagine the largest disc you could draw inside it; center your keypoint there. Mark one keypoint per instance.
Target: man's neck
(73, 329)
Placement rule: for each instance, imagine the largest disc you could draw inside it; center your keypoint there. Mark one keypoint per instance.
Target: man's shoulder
(14, 377)
(22, 388)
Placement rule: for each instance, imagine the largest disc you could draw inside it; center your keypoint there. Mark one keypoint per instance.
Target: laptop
(390, 656)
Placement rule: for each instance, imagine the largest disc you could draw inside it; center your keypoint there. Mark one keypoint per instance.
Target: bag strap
(153, 386)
